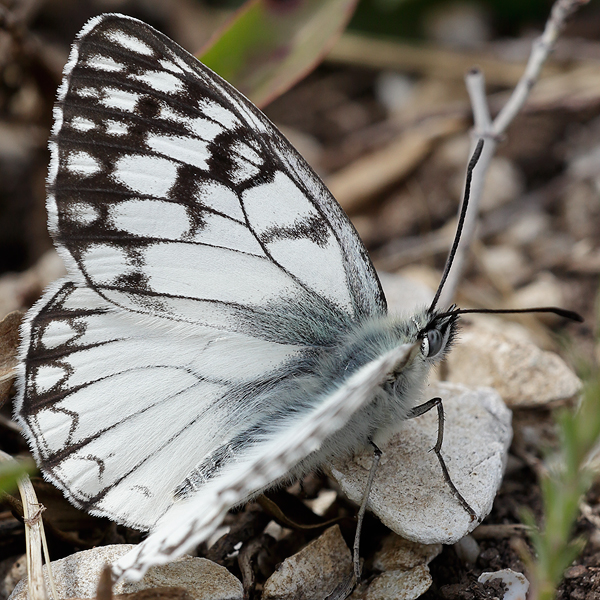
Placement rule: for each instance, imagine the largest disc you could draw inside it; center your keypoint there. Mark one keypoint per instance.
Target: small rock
(453, 153)
(314, 572)
(76, 576)
(321, 504)
(504, 182)
(201, 578)
(582, 209)
(530, 225)
(520, 372)
(159, 593)
(495, 323)
(585, 165)
(12, 570)
(516, 583)
(394, 90)
(409, 493)
(575, 572)
(553, 250)
(400, 585)
(397, 554)
(467, 550)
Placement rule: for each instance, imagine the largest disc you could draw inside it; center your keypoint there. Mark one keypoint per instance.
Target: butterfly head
(432, 334)
(438, 333)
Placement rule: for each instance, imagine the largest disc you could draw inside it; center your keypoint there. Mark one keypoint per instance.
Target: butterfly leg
(421, 410)
(363, 509)
(348, 585)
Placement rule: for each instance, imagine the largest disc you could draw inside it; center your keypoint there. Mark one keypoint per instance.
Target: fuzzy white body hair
(391, 402)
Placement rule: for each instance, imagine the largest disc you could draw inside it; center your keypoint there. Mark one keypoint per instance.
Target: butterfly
(221, 329)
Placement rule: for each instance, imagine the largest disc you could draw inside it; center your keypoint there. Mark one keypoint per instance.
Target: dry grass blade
(35, 539)
(430, 60)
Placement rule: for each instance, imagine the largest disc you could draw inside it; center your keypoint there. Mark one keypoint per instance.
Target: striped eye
(432, 343)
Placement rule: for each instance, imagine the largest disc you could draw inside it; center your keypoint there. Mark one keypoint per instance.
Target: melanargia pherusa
(221, 327)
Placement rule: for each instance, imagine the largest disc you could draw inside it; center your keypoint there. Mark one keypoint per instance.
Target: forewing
(191, 521)
(119, 410)
(171, 194)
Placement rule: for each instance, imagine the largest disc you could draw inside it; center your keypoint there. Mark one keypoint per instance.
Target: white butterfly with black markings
(221, 328)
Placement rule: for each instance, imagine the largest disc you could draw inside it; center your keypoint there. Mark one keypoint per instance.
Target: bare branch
(491, 132)
(542, 47)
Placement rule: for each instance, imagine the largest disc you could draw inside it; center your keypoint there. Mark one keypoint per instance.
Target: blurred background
(385, 119)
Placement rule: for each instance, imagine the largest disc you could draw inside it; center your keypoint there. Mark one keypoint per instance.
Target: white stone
(314, 572)
(321, 504)
(505, 265)
(409, 494)
(400, 585)
(504, 182)
(545, 290)
(77, 576)
(467, 549)
(494, 324)
(526, 229)
(516, 583)
(394, 90)
(519, 371)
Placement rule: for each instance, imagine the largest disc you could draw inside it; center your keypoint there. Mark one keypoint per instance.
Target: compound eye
(432, 343)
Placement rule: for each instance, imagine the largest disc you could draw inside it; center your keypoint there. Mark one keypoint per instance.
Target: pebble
(467, 550)
(458, 24)
(575, 572)
(516, 583)
(505, 265)
(544, 290)
(396, 554)
(12, 570)
(76, 576)
(404, 294)
(400, 585)
(314, 572)
(503, 183)
(520, 372)
(410, 495)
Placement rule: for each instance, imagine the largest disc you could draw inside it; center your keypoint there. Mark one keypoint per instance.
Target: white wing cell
(110, 405)
(129, 130)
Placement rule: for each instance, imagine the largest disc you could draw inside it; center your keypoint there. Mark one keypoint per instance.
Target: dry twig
(491, 131)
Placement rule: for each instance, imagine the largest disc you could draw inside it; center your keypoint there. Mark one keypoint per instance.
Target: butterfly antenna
(561, 312)
(461, 221)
